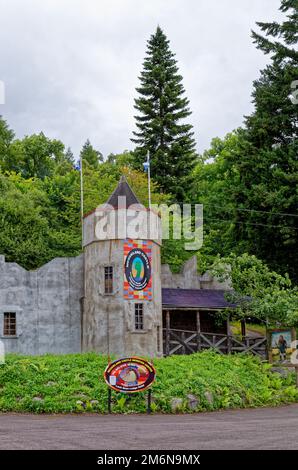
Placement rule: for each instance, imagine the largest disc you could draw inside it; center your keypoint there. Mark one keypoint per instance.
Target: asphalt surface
(265, 428)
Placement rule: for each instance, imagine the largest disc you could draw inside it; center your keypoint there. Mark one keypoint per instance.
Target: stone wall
(47, 303)
(189, 278)
(108, 320)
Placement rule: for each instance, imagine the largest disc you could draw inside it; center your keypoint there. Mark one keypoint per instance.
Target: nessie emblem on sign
(137, 275)
(137, 269)
(129, 375)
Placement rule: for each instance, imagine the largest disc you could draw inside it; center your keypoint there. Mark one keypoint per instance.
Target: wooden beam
(183, 343)
(167, 332)
(199, 343)
(229, 333)
(243, 329)
(228, 325)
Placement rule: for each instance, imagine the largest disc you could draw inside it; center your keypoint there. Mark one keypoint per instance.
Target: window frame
(108, 279)
(9, 330)
(139, 316)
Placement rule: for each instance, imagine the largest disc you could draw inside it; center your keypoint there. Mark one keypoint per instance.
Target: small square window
(9, 324)
(139, 317)
(109, 279)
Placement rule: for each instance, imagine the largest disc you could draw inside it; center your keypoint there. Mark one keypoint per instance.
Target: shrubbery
(74, 383)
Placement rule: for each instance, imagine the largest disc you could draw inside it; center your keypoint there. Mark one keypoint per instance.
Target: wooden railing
(188, 342)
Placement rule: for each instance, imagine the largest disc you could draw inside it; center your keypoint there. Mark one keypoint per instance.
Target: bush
(74, 383)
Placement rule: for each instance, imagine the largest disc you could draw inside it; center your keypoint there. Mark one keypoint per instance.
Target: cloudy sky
(70, 67)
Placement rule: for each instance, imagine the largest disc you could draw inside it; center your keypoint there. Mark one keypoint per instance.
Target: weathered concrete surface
(53, 302)
(49, 303)
(189, 278)
(265, 428)
(47, 306)
(108, 320)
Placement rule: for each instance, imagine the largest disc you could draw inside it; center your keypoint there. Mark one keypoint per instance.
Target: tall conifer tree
(162, 108)
(267, 162)
(90, 155)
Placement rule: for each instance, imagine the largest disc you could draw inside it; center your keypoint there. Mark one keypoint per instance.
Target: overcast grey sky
(70, 67)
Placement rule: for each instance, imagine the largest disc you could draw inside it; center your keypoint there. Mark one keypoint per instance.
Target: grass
(74, 383)
(253, 327)
(236, 326)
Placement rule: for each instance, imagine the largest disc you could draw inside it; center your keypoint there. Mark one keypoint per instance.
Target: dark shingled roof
(123, 189)
(194, 298)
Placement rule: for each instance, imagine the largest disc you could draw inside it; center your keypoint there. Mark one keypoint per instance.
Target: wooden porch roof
(194, 298)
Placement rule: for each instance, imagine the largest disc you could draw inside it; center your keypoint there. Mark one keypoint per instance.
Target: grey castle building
(115, 298)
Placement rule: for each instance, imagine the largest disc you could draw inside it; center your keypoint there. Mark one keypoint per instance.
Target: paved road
(269, 428)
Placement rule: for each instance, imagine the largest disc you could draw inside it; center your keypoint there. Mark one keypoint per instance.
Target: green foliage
(90, 156)
(259, 292)
(23, 229)
(174, 254)
(39, 220)
(267, 159)
(259, 328)
(40, 216)
(34, 156)
(161, 107)
(286, 31)
(6, 137)
(74, 383)
(214, 187)
(247, 181)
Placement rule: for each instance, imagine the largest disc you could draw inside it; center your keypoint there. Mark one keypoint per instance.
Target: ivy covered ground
(199, 382)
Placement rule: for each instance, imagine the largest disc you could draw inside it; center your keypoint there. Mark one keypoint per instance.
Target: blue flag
(146, 164)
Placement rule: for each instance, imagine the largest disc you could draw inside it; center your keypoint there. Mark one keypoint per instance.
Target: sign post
(129, 375)
(149, 401)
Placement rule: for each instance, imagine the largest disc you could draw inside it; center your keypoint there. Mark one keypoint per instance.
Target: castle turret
(122, 312)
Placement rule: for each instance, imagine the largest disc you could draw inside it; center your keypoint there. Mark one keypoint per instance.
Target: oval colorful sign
(137, 269)
(129, 375)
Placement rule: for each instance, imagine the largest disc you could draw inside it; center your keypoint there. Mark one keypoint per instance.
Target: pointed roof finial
(123, 189)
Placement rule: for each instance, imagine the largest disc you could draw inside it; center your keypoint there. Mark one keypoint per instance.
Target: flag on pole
(146, 164)
(79, 167)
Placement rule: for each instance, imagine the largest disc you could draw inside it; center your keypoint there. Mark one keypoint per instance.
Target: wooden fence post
(229, 343)
(243, 329)
(268, 351)
(167, 333)
(199, 342)
(183, 339)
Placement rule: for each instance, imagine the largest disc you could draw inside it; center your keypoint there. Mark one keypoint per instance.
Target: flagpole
(82, 199)
(149, 186)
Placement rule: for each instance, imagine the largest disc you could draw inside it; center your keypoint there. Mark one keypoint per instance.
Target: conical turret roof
(123, 189)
